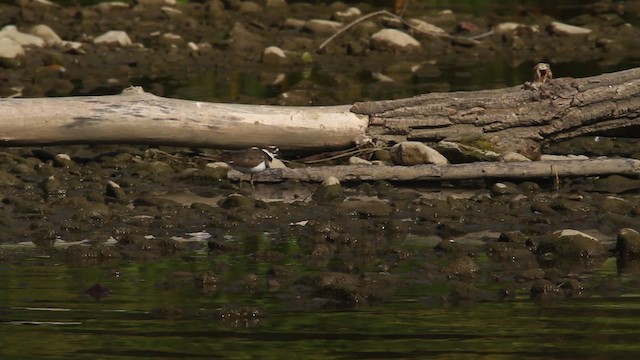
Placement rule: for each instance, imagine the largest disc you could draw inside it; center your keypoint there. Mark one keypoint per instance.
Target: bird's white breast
(258, 168)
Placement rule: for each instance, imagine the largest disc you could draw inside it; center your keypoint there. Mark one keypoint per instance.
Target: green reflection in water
(44, 314)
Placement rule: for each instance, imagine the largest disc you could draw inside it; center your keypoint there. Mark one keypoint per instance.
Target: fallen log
(137, 117)
(520, 118)
(477, 170)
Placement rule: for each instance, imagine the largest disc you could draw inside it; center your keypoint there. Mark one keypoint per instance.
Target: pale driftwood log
(477, 170)
(136, 117)
(519, 118)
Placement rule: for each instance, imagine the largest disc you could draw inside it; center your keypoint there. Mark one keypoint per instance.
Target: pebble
(24, 39)
(510, 27)
(394, 40)
(274, 55)
(47, 34)
(250, 7)
(513, 157)
(628, 243)
(10, 52)
(347, 15)
(424, 26)
(410, 153)
(322, 27)
(354, 160)
(559, 28)
(114, 37)
(329, 191)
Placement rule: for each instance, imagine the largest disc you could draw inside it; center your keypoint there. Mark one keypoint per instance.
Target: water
(45, 314)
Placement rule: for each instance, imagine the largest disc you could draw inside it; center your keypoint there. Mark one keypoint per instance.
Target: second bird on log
(250, 161)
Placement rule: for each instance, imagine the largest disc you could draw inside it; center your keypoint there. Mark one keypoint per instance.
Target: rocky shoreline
(250, 52)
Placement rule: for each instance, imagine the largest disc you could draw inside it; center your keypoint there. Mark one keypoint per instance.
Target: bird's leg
(251, 181)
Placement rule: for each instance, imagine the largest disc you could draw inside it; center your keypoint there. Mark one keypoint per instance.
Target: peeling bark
(520, 118)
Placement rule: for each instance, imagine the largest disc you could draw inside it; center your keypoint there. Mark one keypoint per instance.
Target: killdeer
(250, 161)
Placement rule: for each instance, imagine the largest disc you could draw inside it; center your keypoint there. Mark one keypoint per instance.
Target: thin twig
(483, 35)
(405, 5)
(557, 178)
(350, 25)
(400, 18)
(345, 154)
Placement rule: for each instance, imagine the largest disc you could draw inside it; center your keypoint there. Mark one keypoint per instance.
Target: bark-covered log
(477, 170)
(519, 118)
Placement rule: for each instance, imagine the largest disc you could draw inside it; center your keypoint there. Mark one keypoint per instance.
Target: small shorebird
(250, 161)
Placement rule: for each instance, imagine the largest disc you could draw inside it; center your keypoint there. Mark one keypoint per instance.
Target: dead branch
(478, 170)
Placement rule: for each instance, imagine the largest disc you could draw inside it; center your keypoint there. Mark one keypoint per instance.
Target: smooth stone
(458, 152)
(505, 189)
(559, 28)
(461, 265)
(111, 5)
(250, 7)
(114, 37)
(615, 184)
(510, 27)
(349, 14)
(10, 49)
(572, 244)
(47, 34)
(424, 26)
(171, 39)
(24, 39)
(395, 40)
(295, 24)
(410, 153)
(617, 205)
(322, 27)
(237, 201)
(53, 187)
(465, 42)
(274, 55)
(329, 191)
(380, 77)
(65, 161)
(354, 160)
(628, 243)
(113, 189)
(513, 157)
(171, 12)
(544, 290)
